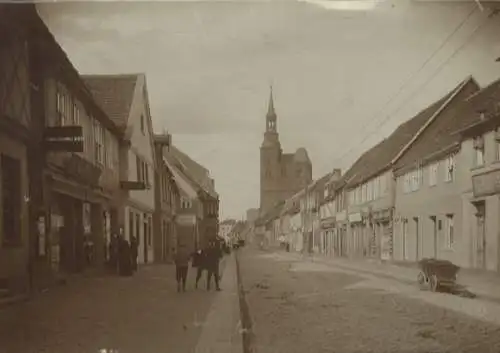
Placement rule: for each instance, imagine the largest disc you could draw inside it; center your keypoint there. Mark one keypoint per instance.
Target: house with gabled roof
(190, 213)
(431, 177)
(199, 202)
(330, 242)
(371, 185)
(124, 98)
(291, 221)
(476, 243)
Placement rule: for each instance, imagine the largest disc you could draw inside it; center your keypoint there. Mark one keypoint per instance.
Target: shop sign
(133, 185)
(64, 138)
(186, 219)
(355, 217)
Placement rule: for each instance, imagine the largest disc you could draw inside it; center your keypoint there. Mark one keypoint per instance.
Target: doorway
(417, 238)
(434, 236)
(405, 238)
(480, 235)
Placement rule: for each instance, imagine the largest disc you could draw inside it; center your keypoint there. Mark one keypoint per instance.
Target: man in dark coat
(181, 259)
(214, 254)
(199, 262)
(134, 252)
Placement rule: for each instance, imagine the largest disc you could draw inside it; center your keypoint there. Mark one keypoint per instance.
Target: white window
(351, 197)
(406, 183)
(376, 188)
(449, 169)
(433, 174)
(478, 151)
(369, 190)
(449, 232)
(479, 157)
(414, 180)
(383, 184)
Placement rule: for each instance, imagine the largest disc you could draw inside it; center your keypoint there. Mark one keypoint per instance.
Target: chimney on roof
(336, 174)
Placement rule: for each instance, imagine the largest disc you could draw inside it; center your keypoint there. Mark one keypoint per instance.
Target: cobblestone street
(302, 306)
(140, 314)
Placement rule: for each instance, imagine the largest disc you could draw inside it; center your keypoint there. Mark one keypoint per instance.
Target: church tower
(270, 159)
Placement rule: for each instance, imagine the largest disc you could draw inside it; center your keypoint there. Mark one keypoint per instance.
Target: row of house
(430, 189)
(79, 162)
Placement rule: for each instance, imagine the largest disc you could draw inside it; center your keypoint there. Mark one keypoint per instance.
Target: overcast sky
(333, 68)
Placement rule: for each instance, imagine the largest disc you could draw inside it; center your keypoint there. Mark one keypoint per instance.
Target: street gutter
(246, 321)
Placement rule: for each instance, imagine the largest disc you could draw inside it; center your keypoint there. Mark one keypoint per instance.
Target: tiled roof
(114, 93)
(440, 133)
(381, 155)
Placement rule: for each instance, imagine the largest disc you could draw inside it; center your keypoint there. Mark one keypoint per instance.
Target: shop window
(11, 200)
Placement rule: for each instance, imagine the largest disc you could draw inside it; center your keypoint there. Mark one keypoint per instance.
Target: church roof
(301, 155)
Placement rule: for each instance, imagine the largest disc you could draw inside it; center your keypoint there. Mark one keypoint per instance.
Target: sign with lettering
(186, 219)
(486, 184)
(64, 138)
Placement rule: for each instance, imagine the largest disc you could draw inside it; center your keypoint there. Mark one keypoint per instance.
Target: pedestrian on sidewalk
(134, 252)
(181, 259)
(214, 254)
(199, 262)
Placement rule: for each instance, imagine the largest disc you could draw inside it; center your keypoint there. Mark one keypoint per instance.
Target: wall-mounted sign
(64, 138)
(133, 185)
(186, 219)
(355, 217)
(486, 184)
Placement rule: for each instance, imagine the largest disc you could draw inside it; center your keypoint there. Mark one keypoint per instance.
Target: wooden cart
(436, 274)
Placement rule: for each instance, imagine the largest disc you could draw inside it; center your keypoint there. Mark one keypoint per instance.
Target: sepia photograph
(249, 176)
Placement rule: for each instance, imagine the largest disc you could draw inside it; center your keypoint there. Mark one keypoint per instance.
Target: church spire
(270, 108)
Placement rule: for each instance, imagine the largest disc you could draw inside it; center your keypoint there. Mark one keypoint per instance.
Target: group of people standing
(207, 259)
(122, 255)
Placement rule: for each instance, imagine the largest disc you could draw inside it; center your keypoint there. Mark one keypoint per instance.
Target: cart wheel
(434, 283)
(422, 281)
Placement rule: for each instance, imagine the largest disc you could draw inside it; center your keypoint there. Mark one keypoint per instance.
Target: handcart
(437, 274)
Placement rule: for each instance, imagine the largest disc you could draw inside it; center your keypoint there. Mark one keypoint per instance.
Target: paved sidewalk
(485, 285)
(221, 329)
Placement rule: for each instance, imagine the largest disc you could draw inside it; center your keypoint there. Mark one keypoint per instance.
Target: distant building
(281, 174)
(225, 227)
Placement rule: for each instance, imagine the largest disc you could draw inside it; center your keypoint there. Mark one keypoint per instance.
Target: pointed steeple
(270, 108)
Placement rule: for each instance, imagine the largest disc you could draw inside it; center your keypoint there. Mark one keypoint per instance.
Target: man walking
(199, 262)
(213, 257)
(181, 259)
